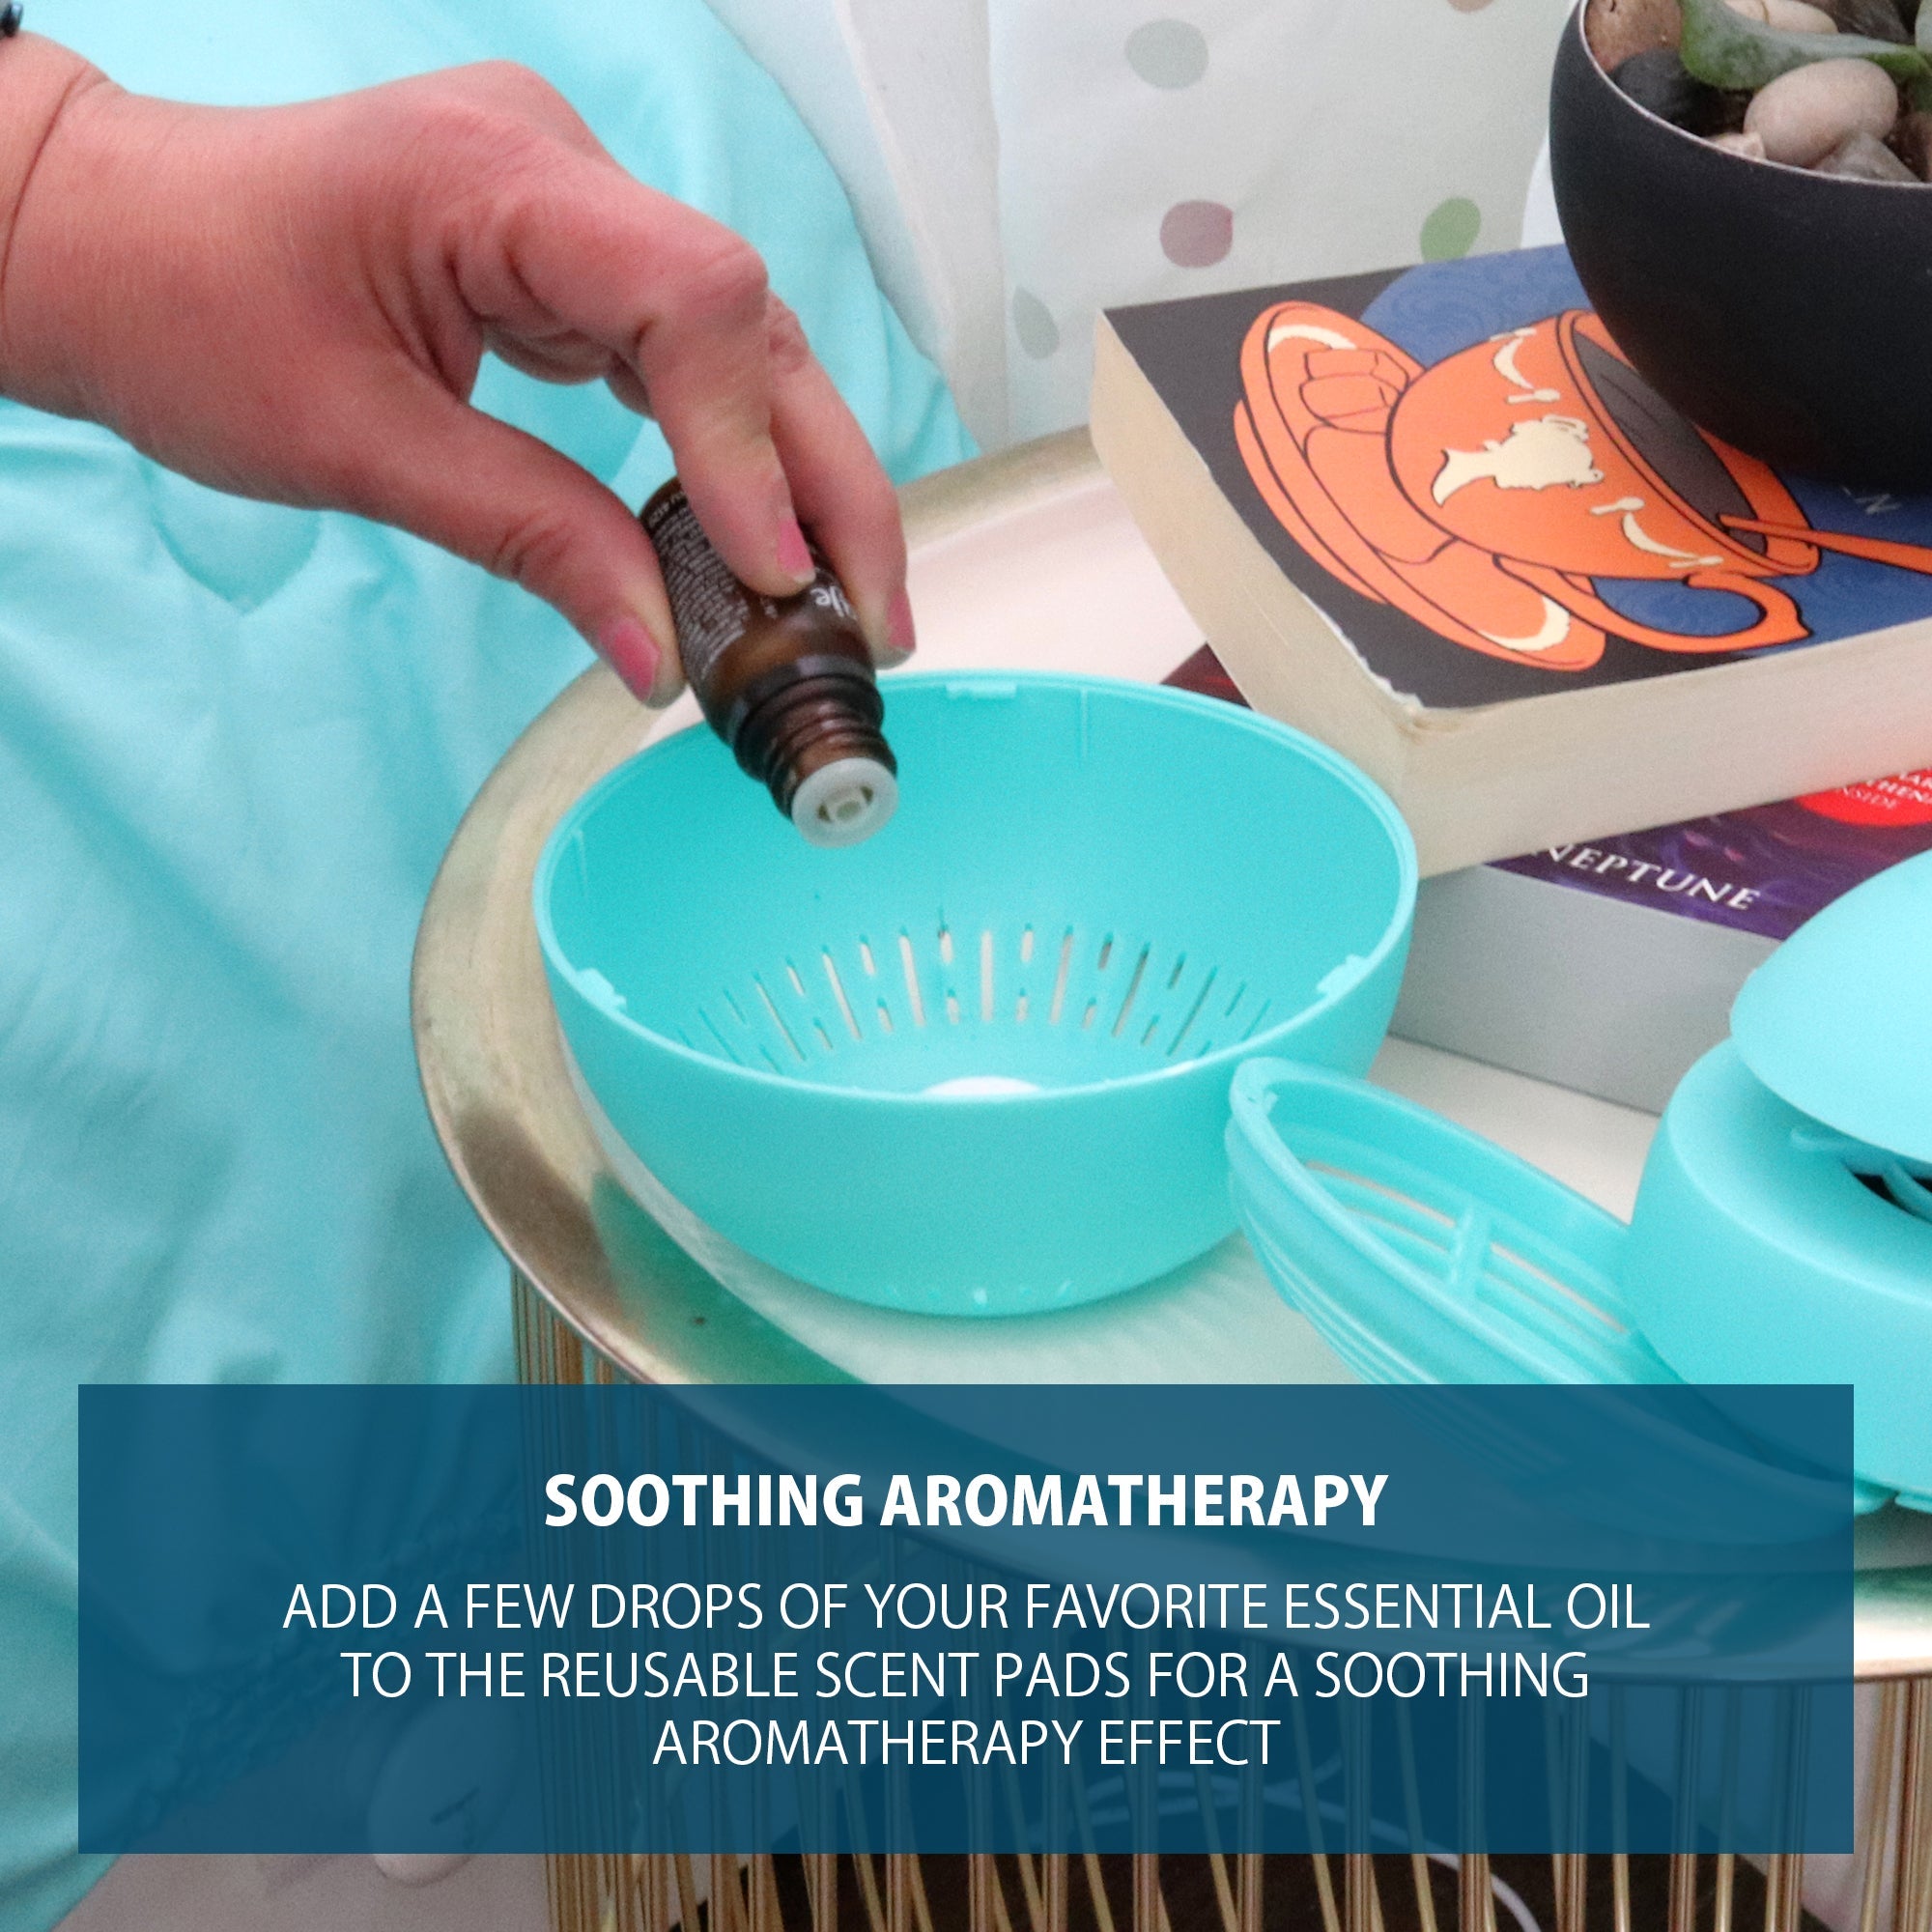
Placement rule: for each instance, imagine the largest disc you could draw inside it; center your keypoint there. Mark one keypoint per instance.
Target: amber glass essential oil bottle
(786, 682)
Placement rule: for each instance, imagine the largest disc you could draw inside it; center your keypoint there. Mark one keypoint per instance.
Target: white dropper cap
(845, 802)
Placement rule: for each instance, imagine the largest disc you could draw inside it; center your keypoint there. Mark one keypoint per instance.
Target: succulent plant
(1725, 49)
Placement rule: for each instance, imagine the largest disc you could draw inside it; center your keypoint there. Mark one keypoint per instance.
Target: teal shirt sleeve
(234, 741)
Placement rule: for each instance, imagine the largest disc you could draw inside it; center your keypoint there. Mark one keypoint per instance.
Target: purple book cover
(1765, 870)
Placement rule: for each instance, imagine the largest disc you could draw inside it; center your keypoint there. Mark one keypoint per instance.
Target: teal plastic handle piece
(1422, 1252)
(979, 1063)
(1425, 1252)
(1765, 1248)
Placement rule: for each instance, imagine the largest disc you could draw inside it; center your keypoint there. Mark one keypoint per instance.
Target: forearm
(38, 80)
(292, 303)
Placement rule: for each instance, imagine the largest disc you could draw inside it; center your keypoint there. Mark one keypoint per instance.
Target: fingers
(840, 491)
(760, 435)
(506, 500)
(704, 365)
(680, 301)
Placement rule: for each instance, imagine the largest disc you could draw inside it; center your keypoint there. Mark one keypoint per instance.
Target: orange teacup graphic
(1485, 494)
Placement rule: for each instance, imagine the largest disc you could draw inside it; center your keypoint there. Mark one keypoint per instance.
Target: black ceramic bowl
(1787, 313)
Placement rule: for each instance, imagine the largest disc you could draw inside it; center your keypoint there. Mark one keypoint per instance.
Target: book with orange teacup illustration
(1435, 518)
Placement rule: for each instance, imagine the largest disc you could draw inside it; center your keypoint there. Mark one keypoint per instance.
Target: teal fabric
(234, 741)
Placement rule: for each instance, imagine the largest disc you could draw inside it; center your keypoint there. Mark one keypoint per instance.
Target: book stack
(1436, 519)
(1611, 965)
(1630, 687)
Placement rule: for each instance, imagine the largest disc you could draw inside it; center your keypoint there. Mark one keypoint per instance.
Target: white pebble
(1751, 10)
(1750, 146)
(1798, 17)
(1861, 158)
(1803, 115)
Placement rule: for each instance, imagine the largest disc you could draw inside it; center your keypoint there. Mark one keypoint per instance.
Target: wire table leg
(983, 1879)
(1915, 1800)
(1310, 1812)
(1148, 1913)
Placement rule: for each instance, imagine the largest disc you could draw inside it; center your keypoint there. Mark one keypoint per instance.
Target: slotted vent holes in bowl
(819, 1002)
(988, 943)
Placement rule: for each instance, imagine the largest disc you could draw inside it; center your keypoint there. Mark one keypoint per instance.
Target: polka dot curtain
(1174, 147)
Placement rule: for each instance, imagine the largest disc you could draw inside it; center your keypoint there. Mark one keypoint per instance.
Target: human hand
(292, 303)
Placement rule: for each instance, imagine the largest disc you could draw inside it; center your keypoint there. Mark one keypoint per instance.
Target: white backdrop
(1018, 164)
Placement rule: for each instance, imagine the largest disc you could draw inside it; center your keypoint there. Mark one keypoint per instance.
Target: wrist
(38, 81)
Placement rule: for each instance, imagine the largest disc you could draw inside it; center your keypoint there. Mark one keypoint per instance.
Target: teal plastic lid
(1837, 1022)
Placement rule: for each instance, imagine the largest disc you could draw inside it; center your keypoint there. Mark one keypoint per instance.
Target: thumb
(464, 481)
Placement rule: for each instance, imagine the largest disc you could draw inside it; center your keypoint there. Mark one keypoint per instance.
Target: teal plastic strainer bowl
(979, 1063)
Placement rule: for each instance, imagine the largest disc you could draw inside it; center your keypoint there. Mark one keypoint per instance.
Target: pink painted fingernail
(634, 654)
(900, 631)
(794, 552)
